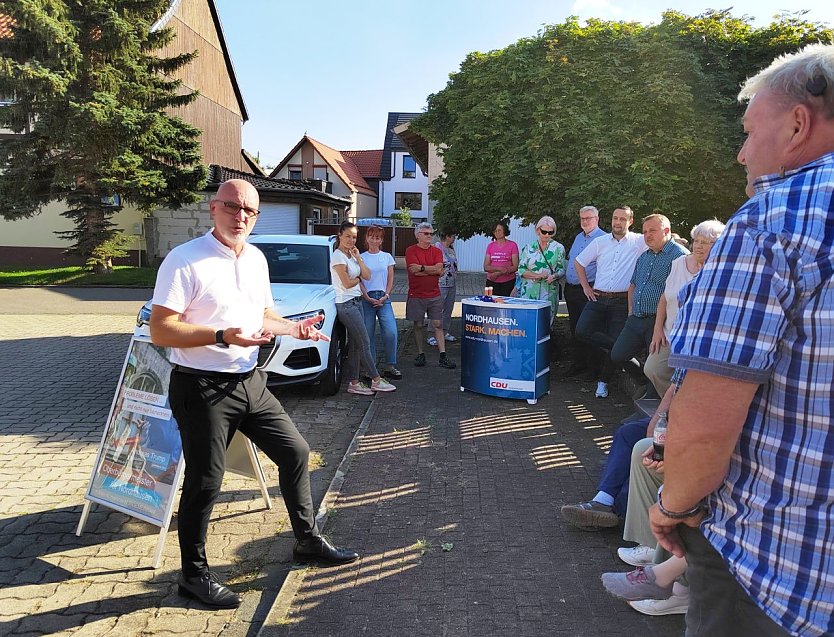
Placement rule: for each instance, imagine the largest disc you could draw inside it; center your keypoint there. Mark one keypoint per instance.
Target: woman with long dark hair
(347, 269)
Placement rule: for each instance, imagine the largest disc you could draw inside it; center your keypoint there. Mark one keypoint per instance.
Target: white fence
(471, 252)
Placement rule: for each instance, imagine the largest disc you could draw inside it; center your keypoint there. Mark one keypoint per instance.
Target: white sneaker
(675, 605)
(450, 338)
(602, 390)
(431, 340)
(637, 556)
(382, 385)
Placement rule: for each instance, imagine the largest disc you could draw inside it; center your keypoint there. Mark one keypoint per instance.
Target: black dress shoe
(319, 550)
(208, 590)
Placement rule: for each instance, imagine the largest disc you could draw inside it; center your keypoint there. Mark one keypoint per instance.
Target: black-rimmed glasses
(547, 232)
(233, 208)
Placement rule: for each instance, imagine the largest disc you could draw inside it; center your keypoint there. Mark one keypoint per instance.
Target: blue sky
(334, 69)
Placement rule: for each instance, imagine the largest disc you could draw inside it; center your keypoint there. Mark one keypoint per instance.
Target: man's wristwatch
(218, 339)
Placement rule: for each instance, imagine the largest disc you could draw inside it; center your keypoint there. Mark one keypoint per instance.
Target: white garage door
(277, 218)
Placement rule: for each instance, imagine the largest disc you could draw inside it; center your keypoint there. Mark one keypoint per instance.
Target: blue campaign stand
(505, 349)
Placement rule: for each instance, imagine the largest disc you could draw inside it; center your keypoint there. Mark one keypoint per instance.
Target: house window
(295, 173)
(410, 200)
(409, 167)
(320, 172)
(317, 214)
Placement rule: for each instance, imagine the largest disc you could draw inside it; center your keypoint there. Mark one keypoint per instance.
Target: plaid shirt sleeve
(736, 310)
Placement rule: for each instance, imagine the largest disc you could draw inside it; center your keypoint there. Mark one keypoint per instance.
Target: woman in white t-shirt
(376, 300)
(347, 269)
(684, 269)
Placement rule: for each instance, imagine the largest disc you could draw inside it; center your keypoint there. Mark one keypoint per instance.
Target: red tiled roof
(6, 24)
(367, 161)
(347, 170)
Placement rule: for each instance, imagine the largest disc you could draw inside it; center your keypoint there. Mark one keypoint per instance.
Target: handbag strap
(546, 260)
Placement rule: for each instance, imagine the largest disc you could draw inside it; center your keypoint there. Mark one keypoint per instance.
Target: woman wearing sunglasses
(542, 265)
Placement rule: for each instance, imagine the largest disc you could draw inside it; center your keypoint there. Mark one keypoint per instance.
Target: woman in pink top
(501, 260)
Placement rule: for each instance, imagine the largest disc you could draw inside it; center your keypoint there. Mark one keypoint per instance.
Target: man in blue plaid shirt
(749, 464)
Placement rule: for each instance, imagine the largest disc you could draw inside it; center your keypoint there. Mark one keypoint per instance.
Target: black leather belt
(614, 295)
(230, 376)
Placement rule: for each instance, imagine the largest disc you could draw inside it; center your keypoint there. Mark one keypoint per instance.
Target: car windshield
(297, 263)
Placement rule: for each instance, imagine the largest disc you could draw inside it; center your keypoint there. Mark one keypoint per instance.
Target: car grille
(303, 358)
(264, 353)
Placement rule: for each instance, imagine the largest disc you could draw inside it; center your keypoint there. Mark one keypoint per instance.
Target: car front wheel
(332, 380)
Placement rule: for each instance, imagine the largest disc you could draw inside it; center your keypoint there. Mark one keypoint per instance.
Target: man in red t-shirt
(425, 265)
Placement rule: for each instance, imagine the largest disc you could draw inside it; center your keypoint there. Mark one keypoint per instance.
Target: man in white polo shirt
(603, 318)
(212, 305)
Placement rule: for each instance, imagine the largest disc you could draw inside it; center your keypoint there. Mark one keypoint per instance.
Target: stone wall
(165, 229)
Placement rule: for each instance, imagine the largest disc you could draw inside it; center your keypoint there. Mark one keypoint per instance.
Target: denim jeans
(634, 337)
(359, 346)
(614, 480)
(600, 324)
(387, 325)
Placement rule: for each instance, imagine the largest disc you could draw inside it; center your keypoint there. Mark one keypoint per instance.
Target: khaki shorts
(416, 308)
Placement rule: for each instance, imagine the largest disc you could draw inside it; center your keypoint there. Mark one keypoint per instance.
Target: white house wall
(365, 206)
(295, 160)
(420, 184)
(471, 252)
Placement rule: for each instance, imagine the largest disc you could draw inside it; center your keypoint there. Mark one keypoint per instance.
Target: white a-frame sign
(139, 463)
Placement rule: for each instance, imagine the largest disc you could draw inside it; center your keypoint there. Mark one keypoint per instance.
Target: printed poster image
(136, 468)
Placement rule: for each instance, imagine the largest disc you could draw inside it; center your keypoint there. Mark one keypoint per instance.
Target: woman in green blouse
(542, 265)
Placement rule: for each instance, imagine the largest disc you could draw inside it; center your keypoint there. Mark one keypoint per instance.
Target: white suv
(299, 271)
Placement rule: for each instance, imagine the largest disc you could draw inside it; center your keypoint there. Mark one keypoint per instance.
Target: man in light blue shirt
(586, 357)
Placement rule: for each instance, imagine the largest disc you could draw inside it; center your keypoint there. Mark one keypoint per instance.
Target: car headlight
(144, 315)
(299, 317)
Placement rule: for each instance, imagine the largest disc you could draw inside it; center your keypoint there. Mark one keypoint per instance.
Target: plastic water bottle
(659, 438)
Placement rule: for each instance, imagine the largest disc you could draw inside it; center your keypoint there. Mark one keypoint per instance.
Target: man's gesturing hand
(235, 336)
(304, 330)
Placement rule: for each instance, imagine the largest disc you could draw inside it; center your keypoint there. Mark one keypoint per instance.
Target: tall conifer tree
(89, 91)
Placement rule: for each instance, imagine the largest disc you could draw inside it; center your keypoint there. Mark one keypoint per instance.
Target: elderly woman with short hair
(684, 269)
(542, 265)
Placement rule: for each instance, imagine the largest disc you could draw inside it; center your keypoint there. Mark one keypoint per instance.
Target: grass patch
(122, 276)
(422, 545)
(316, 461)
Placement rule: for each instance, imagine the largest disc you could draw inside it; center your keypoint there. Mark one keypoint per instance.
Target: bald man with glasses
(213, 307)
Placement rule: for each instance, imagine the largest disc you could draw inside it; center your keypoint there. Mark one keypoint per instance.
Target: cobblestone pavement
(453, 500)
(58, 378)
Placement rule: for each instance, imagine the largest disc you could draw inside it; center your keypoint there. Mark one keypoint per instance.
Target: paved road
(453, 500)
(70, 300)
(59, 375)
(432, 467)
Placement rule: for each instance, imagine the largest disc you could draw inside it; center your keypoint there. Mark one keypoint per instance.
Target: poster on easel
(139, 463)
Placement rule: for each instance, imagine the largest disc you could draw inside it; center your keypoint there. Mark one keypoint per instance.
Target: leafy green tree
(606, 113)
(90, 94)
(402, 217)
